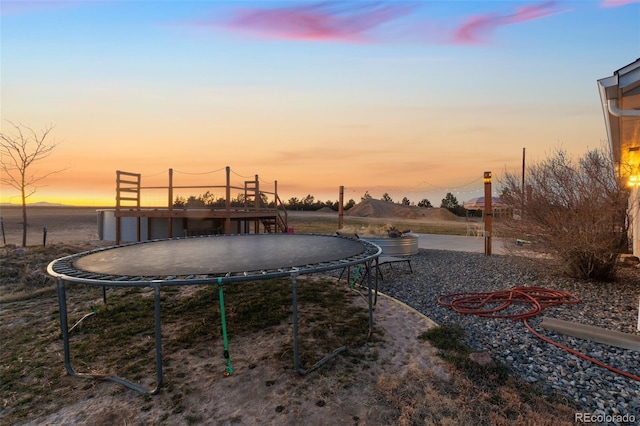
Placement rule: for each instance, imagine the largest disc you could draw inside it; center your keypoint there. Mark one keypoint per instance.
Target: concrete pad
(458, 243)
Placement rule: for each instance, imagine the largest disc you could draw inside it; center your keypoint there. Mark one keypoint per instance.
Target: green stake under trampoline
(223, 320)
(355, 276)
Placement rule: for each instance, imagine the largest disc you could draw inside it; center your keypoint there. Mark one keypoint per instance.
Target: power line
(242, 176)
(200, 173)
(154, 174)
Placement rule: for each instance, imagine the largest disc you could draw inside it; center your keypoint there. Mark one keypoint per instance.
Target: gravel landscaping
(614, 306)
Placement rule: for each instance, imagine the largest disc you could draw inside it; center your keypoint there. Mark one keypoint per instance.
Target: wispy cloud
(616, 3)
(327, 21)
(360, 22)
(476, 28)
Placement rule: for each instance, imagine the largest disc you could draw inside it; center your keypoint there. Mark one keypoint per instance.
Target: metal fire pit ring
(208, 260)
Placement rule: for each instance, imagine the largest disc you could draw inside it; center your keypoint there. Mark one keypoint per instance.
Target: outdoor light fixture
(487, 214)
(634, 180)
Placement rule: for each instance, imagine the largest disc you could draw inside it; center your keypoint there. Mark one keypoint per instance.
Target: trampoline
(209, 260)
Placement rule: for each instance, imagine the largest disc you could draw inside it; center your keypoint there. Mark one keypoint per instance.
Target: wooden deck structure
(252, 216)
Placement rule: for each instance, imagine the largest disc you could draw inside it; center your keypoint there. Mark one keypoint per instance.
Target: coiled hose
(529, 302)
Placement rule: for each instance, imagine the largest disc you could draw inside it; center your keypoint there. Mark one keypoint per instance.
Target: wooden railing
(127, 191)
(129, 195)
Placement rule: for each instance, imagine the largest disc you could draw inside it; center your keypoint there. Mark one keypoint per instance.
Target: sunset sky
(414, 99)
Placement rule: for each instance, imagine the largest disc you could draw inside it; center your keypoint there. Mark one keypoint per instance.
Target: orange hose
(537, 299)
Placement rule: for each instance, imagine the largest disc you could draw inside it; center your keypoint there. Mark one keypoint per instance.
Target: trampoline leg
(64, 326)
(296, 350)
(375, 300)
(133, 386)
(371, 302)
(223, 321)
(158, 332)
(156, 308)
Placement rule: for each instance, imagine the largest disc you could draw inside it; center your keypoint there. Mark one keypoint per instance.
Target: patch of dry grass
(329, 225)
(422, 398)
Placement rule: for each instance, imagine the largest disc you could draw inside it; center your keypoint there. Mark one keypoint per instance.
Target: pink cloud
(535, 11)
(335, 21)
(616, 3)
(473, 30)
(477, 27)
(381, 22)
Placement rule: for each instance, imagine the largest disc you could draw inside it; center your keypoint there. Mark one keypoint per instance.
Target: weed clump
(449, 339)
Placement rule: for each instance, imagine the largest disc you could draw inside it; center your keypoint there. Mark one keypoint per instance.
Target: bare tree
(20, 148)
(575, 211)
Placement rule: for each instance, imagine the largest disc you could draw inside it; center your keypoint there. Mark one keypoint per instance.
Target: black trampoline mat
(219, 255)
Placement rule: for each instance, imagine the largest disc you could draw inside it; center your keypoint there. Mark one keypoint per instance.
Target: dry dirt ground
(402, 381)
(70, 225)
(261, 390)
(78, 225)
(382, 209)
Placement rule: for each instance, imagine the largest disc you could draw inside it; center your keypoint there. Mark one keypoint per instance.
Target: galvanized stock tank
(405, 245)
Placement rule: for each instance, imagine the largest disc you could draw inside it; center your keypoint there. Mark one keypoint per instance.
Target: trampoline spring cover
(202, 259)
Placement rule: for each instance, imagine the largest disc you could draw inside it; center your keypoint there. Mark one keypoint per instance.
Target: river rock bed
(614, 306)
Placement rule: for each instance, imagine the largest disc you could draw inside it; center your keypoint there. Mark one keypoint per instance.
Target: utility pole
(524, 195)
(523, 155)
(341, 207)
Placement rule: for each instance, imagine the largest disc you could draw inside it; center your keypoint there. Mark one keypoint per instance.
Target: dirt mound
(379, 208)
(326, 209)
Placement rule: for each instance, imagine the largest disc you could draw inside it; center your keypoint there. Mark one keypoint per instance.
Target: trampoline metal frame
(62, 270)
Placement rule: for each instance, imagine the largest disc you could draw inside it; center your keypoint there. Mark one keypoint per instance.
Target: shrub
(574, 211)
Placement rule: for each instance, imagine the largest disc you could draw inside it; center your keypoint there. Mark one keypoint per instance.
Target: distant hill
(38, 204)
(385, 209)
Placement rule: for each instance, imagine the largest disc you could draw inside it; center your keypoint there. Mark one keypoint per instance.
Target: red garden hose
(534, 300)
